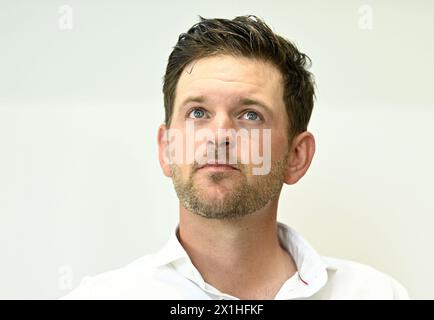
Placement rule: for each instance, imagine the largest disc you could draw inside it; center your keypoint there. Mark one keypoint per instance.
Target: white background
(81, 191)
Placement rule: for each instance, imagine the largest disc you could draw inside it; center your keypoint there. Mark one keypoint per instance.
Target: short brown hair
(245, 36)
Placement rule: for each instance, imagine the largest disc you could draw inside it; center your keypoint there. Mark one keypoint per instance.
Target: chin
(216, 193)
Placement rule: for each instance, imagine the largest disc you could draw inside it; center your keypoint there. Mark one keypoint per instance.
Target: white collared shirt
(170, 274)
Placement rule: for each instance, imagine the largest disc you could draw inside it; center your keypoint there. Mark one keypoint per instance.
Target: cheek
(182, 172)
(250, 149)
(256, 146)
(279, 139)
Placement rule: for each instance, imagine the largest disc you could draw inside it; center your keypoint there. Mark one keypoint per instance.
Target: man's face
(240, 95)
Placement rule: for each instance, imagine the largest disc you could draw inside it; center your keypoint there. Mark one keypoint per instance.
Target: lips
(217, 166)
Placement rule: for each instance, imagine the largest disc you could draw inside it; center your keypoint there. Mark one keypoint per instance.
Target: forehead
(226, 77)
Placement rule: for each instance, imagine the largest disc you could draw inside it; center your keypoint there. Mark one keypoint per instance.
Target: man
(238, 99)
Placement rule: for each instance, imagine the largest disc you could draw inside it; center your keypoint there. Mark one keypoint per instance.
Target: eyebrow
(249, 102)
(199, 99)
(243, 101)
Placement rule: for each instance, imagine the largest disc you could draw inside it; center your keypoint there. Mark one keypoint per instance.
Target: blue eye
(196, 113)
(251, 115)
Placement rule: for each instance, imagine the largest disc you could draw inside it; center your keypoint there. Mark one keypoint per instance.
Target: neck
(229, 253)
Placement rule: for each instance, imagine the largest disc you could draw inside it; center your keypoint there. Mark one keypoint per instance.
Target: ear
(163, 150)
(300, 157)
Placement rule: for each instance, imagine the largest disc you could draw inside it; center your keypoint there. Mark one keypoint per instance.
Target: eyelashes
(248, 115)
(196, 113)
(251, 115)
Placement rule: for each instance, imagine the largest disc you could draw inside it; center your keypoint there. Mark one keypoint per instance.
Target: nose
(223, 128)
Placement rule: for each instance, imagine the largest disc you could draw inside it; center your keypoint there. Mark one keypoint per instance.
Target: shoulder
(139, 279)
(353, 280)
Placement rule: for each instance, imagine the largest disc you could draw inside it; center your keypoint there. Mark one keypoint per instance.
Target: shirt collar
(311, 269)
(171, 251)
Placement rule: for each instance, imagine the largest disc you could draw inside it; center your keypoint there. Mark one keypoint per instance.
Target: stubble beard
(245, 198)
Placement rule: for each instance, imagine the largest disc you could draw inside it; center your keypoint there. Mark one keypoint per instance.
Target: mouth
(217, 167)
